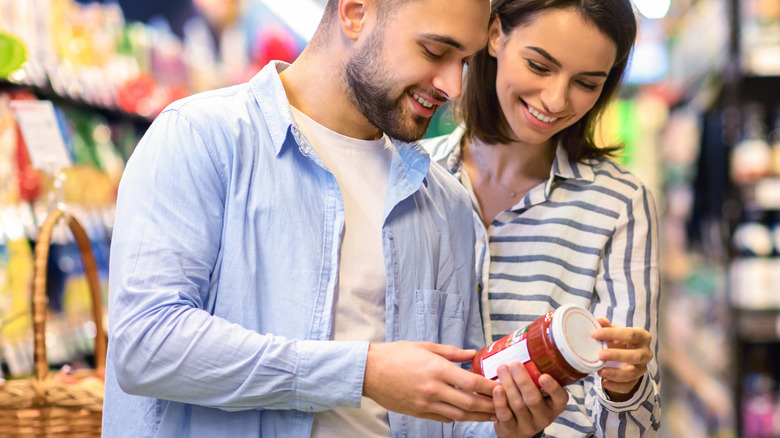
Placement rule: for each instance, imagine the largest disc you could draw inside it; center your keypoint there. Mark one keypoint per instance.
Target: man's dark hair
(384, 7)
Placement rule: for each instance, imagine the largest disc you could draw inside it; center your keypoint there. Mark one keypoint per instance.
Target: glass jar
(558, 343)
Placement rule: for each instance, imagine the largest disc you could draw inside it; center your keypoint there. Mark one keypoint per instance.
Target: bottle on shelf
(751, 157)
(760, 396)
(774, 138)
(752, 271)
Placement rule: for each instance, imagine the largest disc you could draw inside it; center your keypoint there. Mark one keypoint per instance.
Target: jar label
(511, 348)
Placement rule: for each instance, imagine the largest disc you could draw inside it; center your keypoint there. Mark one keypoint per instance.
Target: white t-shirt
(361, 168)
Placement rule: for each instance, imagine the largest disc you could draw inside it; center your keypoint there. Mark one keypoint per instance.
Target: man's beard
(370, 87)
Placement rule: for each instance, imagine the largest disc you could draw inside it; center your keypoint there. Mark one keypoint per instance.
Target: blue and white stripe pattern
(587, 236)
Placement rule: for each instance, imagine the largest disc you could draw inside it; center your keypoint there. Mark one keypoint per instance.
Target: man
(279, 267)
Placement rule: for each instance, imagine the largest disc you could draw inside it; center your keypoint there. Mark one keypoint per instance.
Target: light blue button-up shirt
(224, 261)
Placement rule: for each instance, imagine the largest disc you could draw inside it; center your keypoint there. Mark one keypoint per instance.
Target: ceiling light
(302, 16)
(653, 9)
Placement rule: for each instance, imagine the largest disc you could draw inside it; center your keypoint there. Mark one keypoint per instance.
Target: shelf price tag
(767, 193)
(42, 134)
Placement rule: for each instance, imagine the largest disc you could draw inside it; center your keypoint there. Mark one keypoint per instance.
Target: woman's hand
(630, 348)
(522, 410)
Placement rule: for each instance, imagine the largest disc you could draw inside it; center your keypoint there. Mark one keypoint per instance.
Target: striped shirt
(587, 236)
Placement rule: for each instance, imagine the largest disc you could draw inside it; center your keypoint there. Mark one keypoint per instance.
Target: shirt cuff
(634, 402)
(330, 374)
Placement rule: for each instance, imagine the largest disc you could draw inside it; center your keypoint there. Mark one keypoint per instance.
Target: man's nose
(449, 80)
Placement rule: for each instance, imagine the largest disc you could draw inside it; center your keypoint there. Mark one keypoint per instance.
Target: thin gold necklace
(511, 192)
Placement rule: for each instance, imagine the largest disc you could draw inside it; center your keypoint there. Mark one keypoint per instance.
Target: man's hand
(421, 380)
(522, 410)
(629, 346)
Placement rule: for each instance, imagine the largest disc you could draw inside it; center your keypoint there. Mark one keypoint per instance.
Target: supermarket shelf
(760, 88)
(758, 325)
(767, 194)
(761, 195)
(110, 113)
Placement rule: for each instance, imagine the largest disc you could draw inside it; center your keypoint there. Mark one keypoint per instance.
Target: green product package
(13, 54)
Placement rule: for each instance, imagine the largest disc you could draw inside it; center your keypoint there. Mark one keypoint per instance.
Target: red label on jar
(511, 348)
(534, 347)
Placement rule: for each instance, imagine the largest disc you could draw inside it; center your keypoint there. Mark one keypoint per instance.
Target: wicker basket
(45, 405)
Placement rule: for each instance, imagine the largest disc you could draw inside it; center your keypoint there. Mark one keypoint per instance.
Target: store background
(700, 117)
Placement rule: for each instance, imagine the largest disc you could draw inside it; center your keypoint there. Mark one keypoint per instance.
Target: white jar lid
(572, 327)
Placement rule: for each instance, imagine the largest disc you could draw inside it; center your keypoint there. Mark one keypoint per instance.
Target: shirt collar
(272, 100)
(566, 168)
(453, 150)
(563, 167)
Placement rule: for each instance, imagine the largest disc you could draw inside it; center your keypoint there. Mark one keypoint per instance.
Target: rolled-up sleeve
(164, 340)
(628, 287)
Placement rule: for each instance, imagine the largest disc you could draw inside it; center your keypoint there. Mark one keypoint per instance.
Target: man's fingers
(472, 383)
(439, 418)
(452, 354)
(413, 379)
(455, 404)
(466, 380)
(447, 413)
(463, 398)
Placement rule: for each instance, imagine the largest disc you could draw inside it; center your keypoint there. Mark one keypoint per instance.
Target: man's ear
(352, 16)
(494, 36)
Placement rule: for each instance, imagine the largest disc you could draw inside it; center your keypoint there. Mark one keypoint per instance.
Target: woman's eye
(587, 86)
(538, 68)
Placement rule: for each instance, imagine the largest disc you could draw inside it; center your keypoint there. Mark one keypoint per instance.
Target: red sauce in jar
(558, 343)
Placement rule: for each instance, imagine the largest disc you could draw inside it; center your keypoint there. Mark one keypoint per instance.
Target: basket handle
(39, 300)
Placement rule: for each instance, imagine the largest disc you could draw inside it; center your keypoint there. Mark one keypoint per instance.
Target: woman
(561, 222)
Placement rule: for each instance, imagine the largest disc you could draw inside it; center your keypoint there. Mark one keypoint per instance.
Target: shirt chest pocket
(439, 317)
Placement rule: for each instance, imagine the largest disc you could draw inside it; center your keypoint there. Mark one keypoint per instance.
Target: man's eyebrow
(550, 58)
(442, 39)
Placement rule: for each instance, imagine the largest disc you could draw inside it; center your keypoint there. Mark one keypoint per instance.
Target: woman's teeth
(422, 101)
(540, 116)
